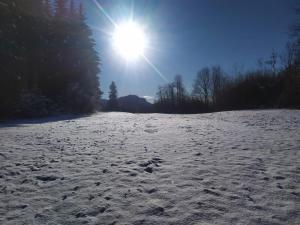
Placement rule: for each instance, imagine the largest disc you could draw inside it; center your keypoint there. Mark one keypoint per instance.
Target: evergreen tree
(72, 8)
(61, 8)
(113, 97)
(47, 59)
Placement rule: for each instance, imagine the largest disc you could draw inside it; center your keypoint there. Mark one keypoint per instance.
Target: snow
(238, 167)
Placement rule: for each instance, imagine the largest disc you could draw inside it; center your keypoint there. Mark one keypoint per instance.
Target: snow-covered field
(238, 167)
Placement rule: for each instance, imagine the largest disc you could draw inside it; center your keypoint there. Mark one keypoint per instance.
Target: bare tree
(166, 94)
(288, 57)
(238, 69)
(180, 90)
(159, 94)
(171, 94)
(201, 88)
(261, 66)
(273, 62)
(216, 82)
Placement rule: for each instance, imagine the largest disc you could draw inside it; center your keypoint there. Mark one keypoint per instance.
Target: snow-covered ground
(238, 167)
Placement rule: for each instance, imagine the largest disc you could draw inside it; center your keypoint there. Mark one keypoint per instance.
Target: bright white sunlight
(129, 40)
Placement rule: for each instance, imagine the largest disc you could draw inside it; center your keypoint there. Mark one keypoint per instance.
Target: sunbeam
(104, 12)
(155, 68)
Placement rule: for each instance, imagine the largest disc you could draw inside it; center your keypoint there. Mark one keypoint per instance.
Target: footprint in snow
(154, 160)
(133, 174)
(129, 162)
(207, 191)
(279, 177)
(46, 178)
(157, 211)
(152, 190)
(91, 197)
(95, 211)
(75, 188)
(149, 169)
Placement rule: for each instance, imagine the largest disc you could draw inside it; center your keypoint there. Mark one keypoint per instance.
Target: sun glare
(129, 40)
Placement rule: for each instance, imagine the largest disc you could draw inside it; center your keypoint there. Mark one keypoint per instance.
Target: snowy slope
(117, 168)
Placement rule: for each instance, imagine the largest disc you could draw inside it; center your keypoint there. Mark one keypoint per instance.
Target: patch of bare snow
(238, 167)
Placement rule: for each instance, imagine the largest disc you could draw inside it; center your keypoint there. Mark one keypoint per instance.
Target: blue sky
(186, 35)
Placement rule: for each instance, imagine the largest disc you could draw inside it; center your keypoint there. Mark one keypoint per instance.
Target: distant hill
(132, 103)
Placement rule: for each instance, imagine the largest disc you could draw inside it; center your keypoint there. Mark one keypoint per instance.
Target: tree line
(48, 63)
(270, 85)
(275, 83)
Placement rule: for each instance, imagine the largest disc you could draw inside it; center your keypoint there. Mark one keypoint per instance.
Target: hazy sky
(186, 35)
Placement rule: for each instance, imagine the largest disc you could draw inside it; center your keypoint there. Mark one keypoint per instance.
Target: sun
(129, 40)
